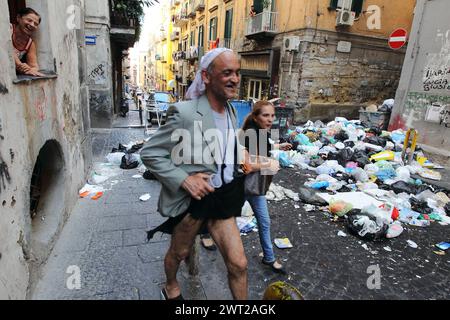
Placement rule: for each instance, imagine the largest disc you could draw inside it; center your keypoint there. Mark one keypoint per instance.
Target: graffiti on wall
(4, 174)
(437, 79)
(436, 74)
(3, 89)
(427, 107)
(98, 74)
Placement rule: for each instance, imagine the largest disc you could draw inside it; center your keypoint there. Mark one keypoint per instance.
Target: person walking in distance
(207, 195)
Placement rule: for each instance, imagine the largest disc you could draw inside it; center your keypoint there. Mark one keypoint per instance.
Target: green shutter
(258, 5)
(228, 23)
(333, 4)
(357, 6)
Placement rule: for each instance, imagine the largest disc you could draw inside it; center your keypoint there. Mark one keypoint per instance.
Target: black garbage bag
(349, 144)
(136, 148)
(316, 162)
(422, 188)
(420, 206)
(309, 195)
(149, 176)
(344, 156)
(447, 208)
(341, 136)
(403, 187)
(121, 148)
(129, 162)
(375, 130)
(361, 158)
(325, 141)
(378, 141)
(357, 229)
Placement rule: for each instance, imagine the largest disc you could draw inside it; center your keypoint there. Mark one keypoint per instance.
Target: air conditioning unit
(292, 43)
(345, 18)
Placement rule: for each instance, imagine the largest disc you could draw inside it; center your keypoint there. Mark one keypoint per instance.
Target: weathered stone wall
(322, 82)
(99, 64)
(32, 114)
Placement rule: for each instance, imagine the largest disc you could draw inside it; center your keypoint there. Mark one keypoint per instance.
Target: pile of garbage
(363, 178)
(125, 157)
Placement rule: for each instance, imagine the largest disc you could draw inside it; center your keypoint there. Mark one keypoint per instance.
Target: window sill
(27, 79)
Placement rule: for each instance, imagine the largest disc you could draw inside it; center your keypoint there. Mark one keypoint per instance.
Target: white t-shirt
(227, 145)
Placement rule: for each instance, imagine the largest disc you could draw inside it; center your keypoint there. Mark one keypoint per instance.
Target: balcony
(192, 13)
(225, 43)
(163, 36)
(180, 19)
(123, 29)
(199, 5)
(262, 26)
(194, 53)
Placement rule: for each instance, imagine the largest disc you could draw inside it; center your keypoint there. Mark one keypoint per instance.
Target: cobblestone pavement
(106, 240)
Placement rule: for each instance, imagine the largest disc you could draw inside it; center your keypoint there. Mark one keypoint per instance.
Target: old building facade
(323, 57)
(45, 146)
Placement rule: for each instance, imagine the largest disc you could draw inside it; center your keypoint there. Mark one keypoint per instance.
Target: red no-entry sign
(398, 39)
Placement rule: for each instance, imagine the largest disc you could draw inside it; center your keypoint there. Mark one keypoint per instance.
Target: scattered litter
(283, 243)
(365, 247)
(412, 244)
(246, 224)
(439, 253)
(309, 208)
(137, 176)
(145, 197)
(444, 246)
(91, 191)
(388, 249)
(342, 234)
(296, 206)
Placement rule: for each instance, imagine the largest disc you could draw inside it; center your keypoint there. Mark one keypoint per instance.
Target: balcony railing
(199, 5)
(180, 19)
(225, 43)
(120, 20)
(264, 24)
(194, 53)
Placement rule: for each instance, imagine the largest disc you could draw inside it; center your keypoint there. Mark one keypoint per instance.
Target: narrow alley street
(106, 239)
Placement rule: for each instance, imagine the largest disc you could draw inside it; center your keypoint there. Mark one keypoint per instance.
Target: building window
(255, 89)
(228, 28)
(201, 36)
(41, 37)
(357, 5)
(213, 29)
(192, 39)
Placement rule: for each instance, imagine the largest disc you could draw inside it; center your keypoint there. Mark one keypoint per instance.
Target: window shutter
(357, 6)
(333, 4)
(258, 5)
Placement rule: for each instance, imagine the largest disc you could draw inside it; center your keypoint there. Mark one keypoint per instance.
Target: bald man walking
(207, 195)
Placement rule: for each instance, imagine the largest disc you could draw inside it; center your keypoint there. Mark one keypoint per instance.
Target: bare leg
(228, 239)
(183, 239)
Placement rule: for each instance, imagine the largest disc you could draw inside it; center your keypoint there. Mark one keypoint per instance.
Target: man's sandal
(276, 266)
(208, 243)
(164, 295)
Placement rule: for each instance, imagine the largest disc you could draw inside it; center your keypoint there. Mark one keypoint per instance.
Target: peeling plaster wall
(31, 114)
(323, 82)
(425, 78)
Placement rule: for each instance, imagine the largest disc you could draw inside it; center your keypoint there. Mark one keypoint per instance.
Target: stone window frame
(46, 59)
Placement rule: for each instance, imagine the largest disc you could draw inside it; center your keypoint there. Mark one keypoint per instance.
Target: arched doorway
(46, 197)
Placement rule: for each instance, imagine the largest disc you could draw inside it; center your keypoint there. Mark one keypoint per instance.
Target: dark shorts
(224, 203)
